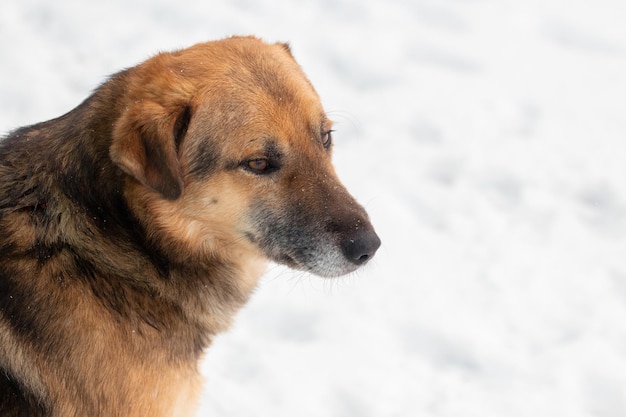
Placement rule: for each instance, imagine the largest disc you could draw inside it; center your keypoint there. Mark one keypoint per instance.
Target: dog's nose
(361, 246)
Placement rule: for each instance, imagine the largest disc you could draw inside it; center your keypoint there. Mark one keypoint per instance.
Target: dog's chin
(325, 266)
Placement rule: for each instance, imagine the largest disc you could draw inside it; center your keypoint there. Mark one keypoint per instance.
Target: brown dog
(133, 227)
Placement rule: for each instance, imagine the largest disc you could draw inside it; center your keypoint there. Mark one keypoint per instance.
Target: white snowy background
(487, 140)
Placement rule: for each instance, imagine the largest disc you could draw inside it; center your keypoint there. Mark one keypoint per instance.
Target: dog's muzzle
(334, 245)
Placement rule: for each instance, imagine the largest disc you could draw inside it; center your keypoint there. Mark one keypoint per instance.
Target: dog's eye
(261, 166)
(258, 165)
(327, 139)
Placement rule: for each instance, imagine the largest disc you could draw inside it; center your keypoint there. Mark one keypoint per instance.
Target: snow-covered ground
(486, 138)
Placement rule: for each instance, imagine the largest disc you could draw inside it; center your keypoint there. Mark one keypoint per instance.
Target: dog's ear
(286, 47)
(145, 142)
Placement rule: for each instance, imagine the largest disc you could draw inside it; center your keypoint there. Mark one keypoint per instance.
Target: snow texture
(487, 140)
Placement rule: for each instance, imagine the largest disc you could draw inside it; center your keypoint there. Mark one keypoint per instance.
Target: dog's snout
(361, 246)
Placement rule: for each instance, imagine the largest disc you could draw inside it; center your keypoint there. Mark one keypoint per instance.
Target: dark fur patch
(272, 151)
(17, 307)
(181, 125)
(17, 402)
(45, 252)
(205, 160)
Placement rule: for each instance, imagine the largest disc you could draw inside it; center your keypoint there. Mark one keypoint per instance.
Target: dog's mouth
(288, 261)
(272, 253)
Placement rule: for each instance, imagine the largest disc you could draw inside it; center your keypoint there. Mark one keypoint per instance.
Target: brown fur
(134, 227)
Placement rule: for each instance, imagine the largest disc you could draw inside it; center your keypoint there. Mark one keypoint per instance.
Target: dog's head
(228, 154)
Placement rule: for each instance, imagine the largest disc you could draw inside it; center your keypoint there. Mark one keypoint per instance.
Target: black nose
(361, 246)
